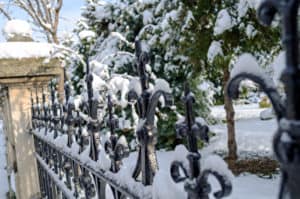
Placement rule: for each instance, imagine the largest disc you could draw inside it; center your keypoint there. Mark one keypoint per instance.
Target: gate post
(22, 70)
(17, 120)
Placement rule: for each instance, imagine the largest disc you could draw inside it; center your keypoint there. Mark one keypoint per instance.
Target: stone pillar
(27, 184)
(16, 107)
(24, 66)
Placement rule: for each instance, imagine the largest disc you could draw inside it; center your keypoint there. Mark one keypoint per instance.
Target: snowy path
(3, 174)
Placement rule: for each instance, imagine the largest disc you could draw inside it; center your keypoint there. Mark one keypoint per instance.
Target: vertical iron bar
(291, 74)
(93, 127)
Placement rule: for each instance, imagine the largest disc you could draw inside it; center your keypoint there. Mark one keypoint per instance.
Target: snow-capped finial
(17, 30)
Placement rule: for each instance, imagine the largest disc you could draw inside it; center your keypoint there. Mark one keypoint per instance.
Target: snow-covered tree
(161, 26)
(220, 31)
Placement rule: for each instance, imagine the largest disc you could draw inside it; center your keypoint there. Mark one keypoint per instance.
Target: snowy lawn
(244, 186)
(253, 136)
(251, 186)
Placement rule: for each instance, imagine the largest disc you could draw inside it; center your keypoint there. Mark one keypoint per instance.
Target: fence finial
(196, 180)
(146, 131)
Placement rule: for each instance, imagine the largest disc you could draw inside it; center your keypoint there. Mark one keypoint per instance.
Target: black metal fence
(67, 156)
(68, 170)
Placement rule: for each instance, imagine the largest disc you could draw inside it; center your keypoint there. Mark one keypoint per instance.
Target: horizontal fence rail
(47, 150)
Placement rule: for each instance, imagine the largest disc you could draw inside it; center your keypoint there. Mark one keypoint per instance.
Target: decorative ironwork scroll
(146, 132)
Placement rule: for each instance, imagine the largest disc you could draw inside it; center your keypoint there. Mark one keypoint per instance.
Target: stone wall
(18, 78)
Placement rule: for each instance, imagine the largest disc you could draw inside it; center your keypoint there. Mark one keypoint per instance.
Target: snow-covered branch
(119, 53)
(60, 49)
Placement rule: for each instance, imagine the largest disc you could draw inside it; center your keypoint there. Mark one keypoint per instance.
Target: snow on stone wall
(19, 50)
(17, 27)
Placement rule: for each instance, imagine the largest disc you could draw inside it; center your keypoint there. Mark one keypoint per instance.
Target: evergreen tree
(161, 26)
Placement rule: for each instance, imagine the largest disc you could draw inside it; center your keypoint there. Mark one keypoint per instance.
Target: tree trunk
(232, 147)
(54, 38)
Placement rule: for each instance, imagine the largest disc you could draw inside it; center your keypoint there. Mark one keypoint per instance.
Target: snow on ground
(245, 186)
(3, 173)
(253, 136)
(241, 111)
(251, 186)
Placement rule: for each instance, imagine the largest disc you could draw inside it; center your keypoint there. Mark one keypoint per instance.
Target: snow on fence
(75, 161)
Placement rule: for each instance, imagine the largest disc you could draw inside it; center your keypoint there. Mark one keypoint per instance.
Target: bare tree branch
(45, 8)
(56, 18)
(4, 12)
(45, 14)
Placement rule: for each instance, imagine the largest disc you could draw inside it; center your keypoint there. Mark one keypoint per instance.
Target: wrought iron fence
(67, 143)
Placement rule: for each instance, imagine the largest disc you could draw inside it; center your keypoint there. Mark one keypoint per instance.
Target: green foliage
(234, 27)
(264, 103)
(166, 130)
